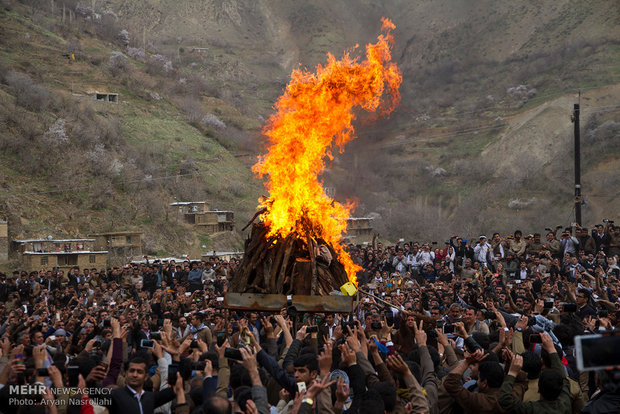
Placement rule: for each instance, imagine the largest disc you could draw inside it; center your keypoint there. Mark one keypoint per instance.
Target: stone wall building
(359, 229)
(199, 213)
(38, 254)
(122, 246)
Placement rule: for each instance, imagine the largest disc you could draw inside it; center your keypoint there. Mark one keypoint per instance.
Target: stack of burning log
(294, 265)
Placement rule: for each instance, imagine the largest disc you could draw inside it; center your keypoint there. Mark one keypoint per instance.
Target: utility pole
(577, 162)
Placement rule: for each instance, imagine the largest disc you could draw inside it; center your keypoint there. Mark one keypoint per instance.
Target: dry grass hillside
(482, 138)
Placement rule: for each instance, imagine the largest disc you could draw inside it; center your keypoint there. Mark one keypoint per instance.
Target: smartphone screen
(145, 343)
(597, 352)
(73, 374)
(172, 373)
(221, 338)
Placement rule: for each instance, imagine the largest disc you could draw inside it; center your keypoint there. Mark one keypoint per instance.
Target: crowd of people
(485, 325)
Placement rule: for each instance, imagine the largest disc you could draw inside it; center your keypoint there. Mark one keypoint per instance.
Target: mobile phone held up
(594, 352)
(145, 343)
(233, 353)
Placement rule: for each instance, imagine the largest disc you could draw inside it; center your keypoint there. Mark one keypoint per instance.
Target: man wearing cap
(534, 246)
(482, 250)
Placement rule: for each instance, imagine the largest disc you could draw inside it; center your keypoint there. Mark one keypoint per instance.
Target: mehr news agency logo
(34, 394)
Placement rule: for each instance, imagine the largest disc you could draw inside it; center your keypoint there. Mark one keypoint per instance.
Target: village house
(122, 246)
(226, 256)
(359, 229)
(200, 215)
(37, 254)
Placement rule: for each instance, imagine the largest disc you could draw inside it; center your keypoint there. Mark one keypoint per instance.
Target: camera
(193, 344)
(375, 326)
(312, 329)
(448, 329)
(106, 323)
(156, 336)
(535, 339)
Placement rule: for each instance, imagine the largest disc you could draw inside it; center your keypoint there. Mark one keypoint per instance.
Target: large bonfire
(295, 247)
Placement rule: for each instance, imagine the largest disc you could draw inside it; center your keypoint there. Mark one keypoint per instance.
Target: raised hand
(547, 343)
(208, 371)
(250, 407)
(516, 365)
(249, 358)
(397, 364)
(318, 386)
(342, 391)
(325, 360)
(301, 333)
(476, 357)
(420, 335)
(221, 349)
(522, 322)
(352, 340)
(348, 355)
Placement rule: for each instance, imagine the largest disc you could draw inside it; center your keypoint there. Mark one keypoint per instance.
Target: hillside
(482, 138)
(71, 166)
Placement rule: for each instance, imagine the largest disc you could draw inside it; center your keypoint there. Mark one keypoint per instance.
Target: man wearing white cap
(481, 251)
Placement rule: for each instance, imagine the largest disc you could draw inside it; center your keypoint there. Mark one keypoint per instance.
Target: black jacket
(123, 401)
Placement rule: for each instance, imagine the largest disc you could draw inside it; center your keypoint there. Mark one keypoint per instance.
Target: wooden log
(268, 264)
(325, 279)
(278, 262)
(259, 212)
(313, 282)
(256, 245)
(300, 277)
(284, 265)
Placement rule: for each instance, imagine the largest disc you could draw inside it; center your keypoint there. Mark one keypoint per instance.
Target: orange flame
(314, 113)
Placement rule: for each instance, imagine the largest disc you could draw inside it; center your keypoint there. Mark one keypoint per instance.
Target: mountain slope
(483, 128)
